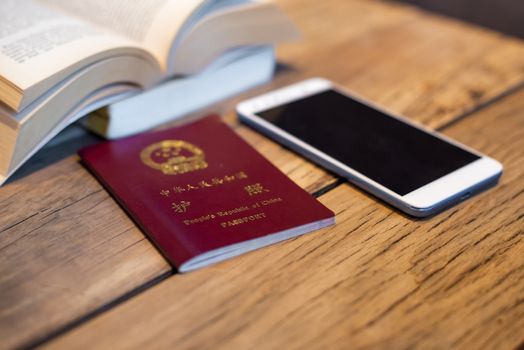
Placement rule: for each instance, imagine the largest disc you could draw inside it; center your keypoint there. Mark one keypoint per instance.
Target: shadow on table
(65, 144)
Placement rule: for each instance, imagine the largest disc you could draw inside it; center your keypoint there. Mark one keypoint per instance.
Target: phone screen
(395, 154)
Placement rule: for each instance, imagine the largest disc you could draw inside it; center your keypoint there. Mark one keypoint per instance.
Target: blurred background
(506, 16)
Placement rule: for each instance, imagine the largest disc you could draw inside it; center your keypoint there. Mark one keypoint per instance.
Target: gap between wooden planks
(66, 248)
(376, 279)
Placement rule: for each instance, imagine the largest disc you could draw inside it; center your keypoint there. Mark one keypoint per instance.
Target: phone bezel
(423, 201)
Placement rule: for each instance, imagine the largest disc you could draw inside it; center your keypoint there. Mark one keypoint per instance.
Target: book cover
(202, 194)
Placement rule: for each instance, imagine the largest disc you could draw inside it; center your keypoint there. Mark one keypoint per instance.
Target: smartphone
(416, 170)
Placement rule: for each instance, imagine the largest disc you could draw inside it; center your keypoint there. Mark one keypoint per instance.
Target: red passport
(202, 194)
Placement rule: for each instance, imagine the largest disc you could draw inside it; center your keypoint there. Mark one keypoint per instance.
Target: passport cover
(202, 194)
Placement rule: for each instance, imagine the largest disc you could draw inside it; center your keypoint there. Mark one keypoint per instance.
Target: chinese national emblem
(174, 157)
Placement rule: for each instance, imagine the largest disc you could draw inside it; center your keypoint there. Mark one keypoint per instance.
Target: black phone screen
(383, 148)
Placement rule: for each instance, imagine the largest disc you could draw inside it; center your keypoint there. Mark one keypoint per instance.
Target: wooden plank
(429, 68)
(67, 249)
(376, 279)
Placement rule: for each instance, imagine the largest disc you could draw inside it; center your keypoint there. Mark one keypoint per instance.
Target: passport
(202, 194)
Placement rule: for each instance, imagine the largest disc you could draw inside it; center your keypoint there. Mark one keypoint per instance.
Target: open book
(58, 55)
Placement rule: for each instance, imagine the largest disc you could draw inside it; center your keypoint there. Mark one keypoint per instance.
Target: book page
(39, 45)
(245, 24)
(152, 23)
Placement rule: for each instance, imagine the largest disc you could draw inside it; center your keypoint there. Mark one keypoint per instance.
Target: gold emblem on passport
(173, 157)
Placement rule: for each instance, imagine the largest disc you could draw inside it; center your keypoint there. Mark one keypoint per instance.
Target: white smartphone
(417, 170)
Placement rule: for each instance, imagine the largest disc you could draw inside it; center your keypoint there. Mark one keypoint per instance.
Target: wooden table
(76, 272)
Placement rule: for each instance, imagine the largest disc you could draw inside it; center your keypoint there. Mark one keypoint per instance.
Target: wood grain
(429, 68)
(375, 280)
(67, 249)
